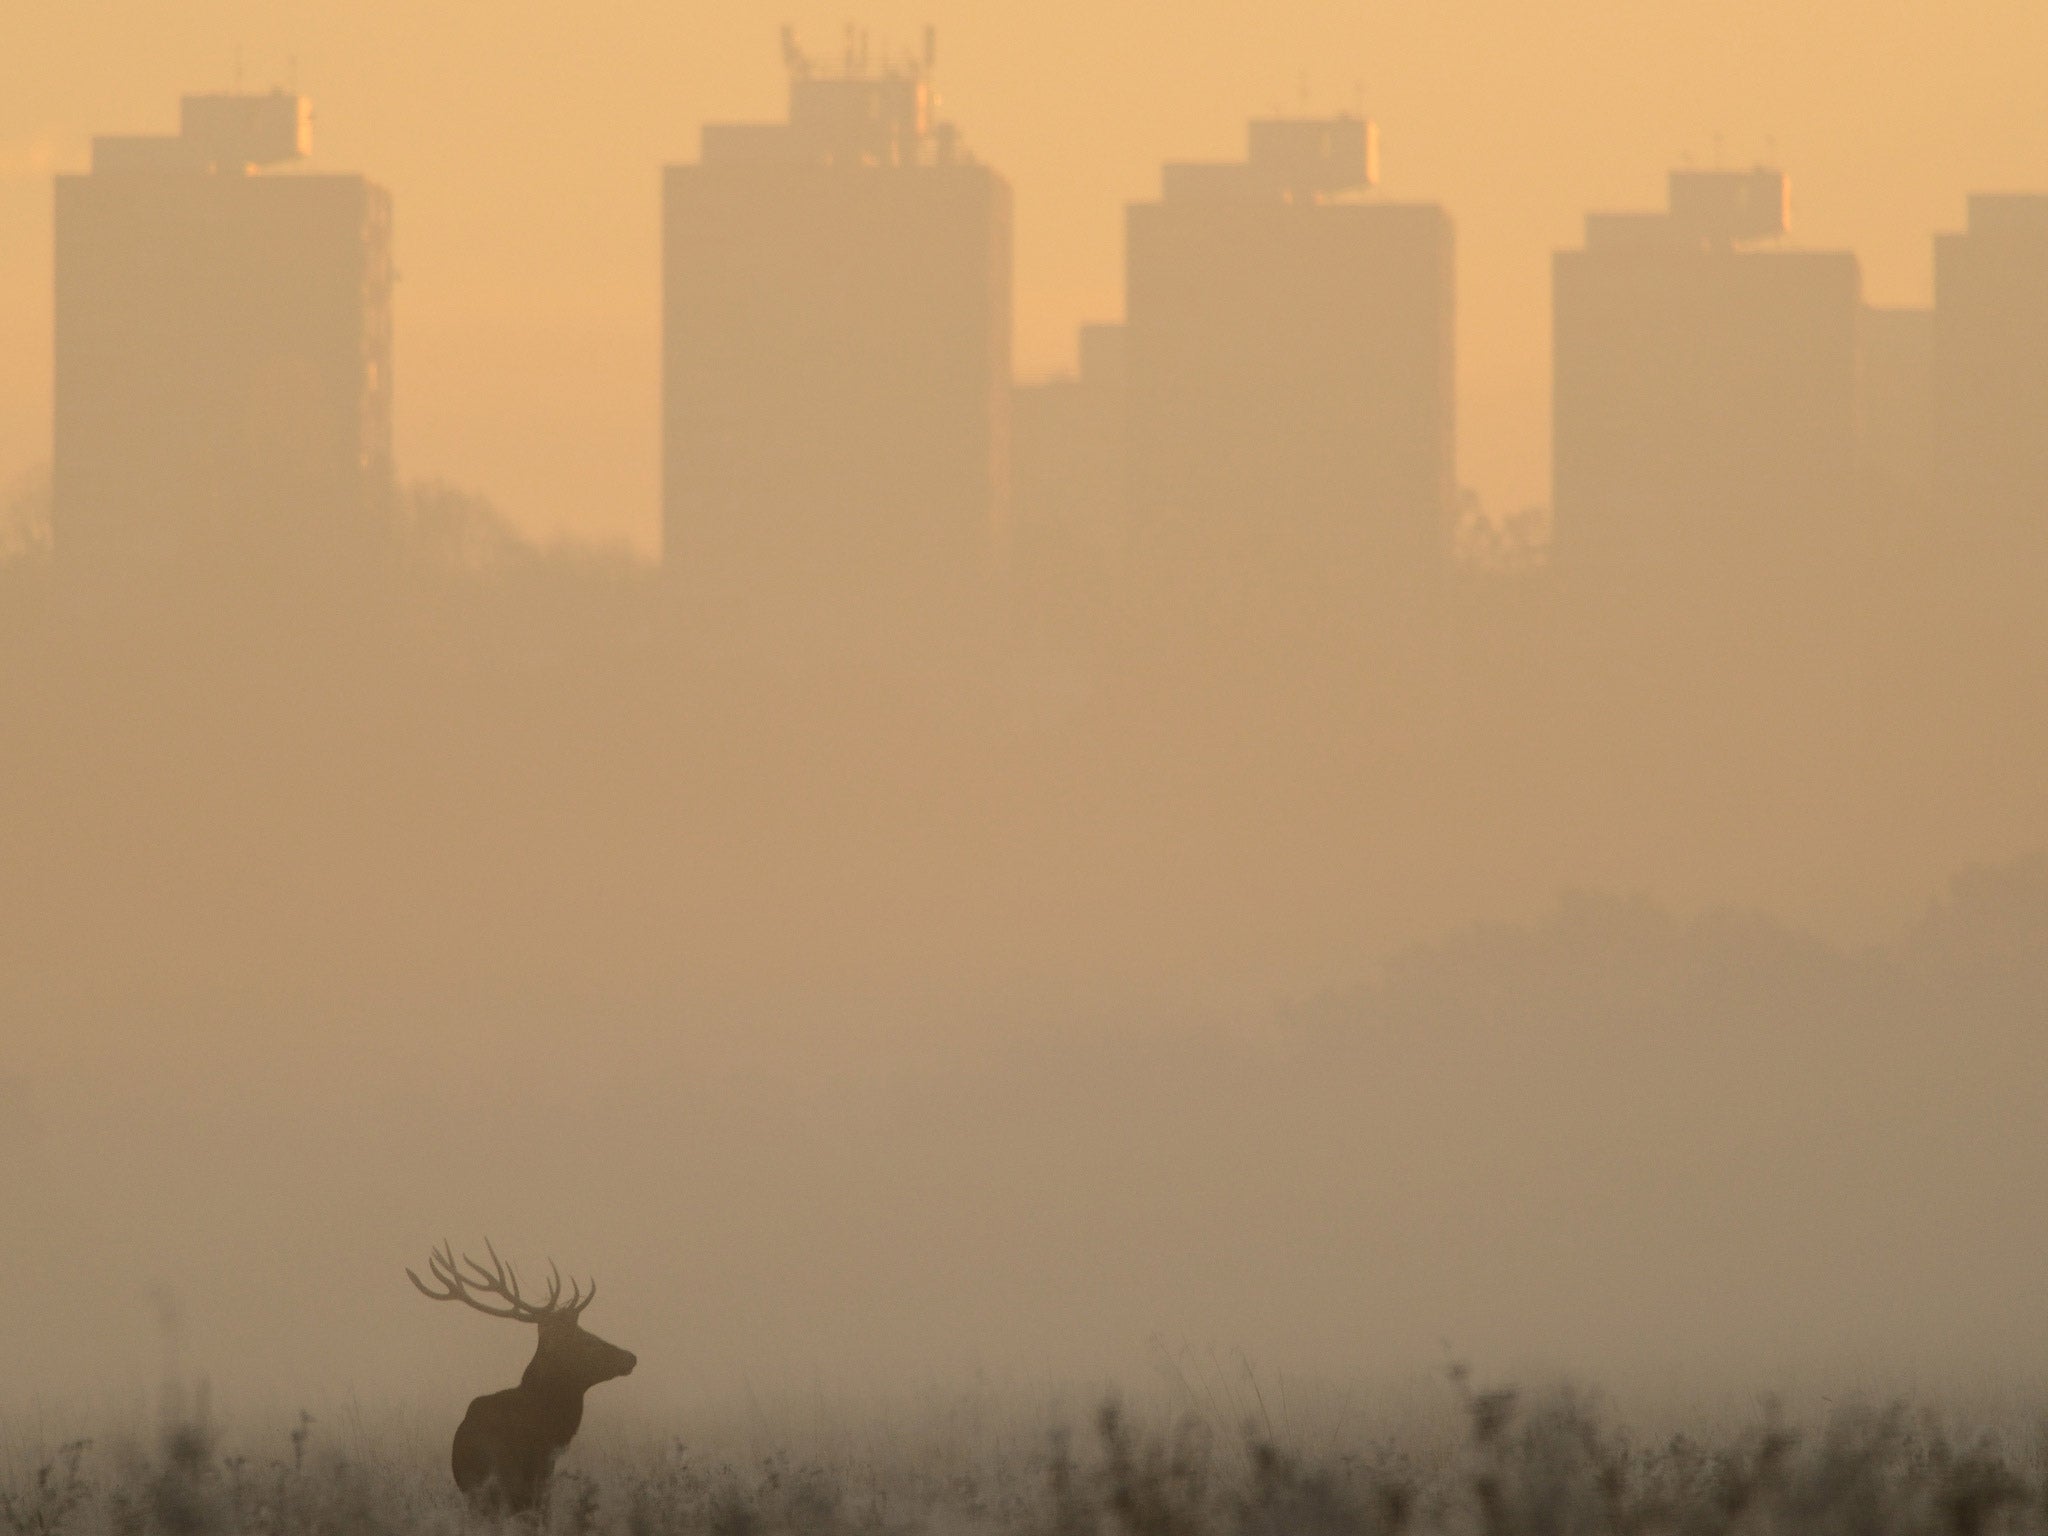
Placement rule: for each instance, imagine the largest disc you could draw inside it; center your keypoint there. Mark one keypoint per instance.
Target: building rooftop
(1715, 210)
(228, 133)
(1287, 159)
(856, 111)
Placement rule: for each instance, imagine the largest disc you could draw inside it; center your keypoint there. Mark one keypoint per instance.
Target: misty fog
(1034, 881)
(877, 1039)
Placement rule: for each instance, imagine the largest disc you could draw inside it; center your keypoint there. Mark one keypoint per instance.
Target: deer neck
(558, 1395)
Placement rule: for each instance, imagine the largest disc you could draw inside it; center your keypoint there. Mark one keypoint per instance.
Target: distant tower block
(223, 341)
(1289, 364)
(836, 351)
(1704, 411)
(1990, 383)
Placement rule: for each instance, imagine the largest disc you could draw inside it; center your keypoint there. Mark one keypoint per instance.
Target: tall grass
(1557, 1465)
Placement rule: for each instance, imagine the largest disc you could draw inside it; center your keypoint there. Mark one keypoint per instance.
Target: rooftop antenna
(238, 68)
(931, 47)
(1718, 162)
(793, 55)
(1302, 91)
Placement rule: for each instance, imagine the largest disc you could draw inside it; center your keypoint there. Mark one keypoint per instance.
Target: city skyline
(488, 330)
(1877, 337)
(1724, 399)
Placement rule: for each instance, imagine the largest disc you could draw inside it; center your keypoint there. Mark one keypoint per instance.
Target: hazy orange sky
(522, 149)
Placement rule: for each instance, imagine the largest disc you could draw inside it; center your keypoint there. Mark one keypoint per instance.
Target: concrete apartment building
(1289, 363)
(223, 342)
(1990, 399)
(1705, 413)
(836, 370)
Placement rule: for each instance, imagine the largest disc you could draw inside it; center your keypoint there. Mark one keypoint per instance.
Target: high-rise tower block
(836, 370)
(223, 341)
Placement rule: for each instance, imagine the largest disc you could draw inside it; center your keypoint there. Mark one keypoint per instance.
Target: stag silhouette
(506, 1445)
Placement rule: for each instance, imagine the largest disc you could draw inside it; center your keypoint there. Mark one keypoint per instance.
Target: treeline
(462, 755)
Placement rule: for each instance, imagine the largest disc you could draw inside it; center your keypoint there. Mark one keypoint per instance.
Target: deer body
(506, 1446)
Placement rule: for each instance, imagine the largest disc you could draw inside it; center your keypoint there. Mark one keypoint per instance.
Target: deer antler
(501, 1281)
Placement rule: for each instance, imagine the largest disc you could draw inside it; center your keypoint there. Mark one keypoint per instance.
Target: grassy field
(1504, 1465)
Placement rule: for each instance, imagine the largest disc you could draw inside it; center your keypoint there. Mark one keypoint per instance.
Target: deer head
(567, 1355)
